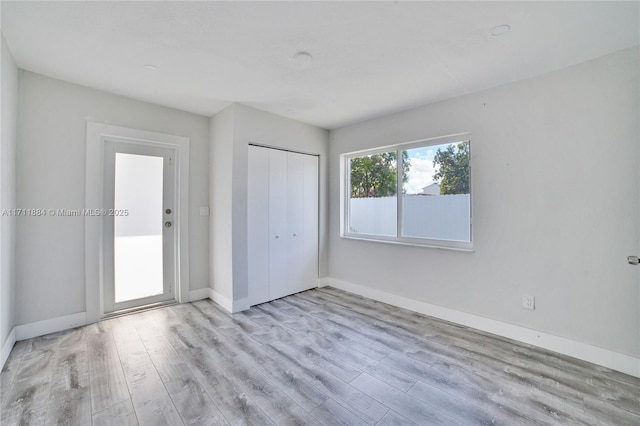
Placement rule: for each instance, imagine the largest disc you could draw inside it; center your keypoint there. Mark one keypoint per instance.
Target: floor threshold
(138, 309)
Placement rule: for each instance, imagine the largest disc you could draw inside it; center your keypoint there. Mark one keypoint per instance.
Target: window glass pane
(436, 192)
(372, 194)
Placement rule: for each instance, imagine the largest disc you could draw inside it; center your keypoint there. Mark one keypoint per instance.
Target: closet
(282, 223)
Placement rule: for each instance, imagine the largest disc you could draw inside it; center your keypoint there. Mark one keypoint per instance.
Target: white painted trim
(604, 357)
(231, 306)
(241, 305)
(326, 282)
(7, 346)
(221, 300)
(40, 328)
(199, 294)
(97, 133)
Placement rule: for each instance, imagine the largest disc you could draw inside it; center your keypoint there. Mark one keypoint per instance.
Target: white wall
(52, 117)
(556, 203)
(229, 173)
(220, 187)
(9, 91)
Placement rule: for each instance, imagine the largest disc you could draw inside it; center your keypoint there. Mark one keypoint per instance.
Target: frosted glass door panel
(138, 246)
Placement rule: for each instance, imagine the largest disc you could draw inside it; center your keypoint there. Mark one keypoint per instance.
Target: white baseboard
(604, 357)
(7, 346)
(40, 328)
(241, 305)
(232, 306)
(221, 300)
(199, 294)
(326, 282)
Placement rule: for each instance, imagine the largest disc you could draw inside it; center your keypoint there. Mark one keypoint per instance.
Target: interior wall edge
(7, 346)
(240, 305)
(606, 358)
(221, 300)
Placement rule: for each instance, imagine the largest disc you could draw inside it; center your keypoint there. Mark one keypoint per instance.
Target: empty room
(320, 213)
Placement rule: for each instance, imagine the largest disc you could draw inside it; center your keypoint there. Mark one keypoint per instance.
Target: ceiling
(368, 58)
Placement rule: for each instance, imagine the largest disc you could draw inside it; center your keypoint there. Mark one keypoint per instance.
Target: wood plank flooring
(322, 357)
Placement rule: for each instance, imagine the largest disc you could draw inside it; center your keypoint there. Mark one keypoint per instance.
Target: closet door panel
(295, 222)
(282, 223)
(258, 224)
(278, 229)
(310, 223)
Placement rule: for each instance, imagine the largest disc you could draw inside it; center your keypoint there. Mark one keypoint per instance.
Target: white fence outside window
(439, 217)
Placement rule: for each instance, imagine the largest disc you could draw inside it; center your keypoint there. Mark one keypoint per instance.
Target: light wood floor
(318, 357)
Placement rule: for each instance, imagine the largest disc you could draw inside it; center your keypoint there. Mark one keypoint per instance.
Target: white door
(139, 238)
(302, 224)
(310, 221)
(282, 223)
(258, 224)
(279, 271)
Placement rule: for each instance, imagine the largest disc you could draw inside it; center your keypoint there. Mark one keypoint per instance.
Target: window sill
(407, 243)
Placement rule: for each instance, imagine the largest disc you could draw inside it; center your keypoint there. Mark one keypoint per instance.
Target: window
(414, 193)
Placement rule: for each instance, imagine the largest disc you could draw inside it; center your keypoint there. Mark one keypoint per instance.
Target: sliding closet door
(302, 218)
(309, 252)
(279, 269)
(282, 223)
(295, 224)
(258, 224)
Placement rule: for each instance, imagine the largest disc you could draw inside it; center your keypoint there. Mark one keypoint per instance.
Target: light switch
(204, 211)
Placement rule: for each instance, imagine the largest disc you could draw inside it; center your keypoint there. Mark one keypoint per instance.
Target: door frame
(97, 135)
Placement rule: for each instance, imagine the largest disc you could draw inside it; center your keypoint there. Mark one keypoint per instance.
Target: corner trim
(241, 305)
(7, 347)
(220, 300)
(604, 357)
(40, 328)
(231, 306)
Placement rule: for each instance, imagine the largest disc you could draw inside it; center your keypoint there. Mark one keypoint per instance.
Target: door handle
(633, 260)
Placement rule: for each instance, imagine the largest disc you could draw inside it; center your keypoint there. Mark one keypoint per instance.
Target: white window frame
(399, 239)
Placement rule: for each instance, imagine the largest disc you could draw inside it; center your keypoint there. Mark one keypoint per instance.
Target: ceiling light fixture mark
(499, 30)
(303, 58)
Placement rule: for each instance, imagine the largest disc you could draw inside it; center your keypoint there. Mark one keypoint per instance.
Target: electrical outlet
(528, 302)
